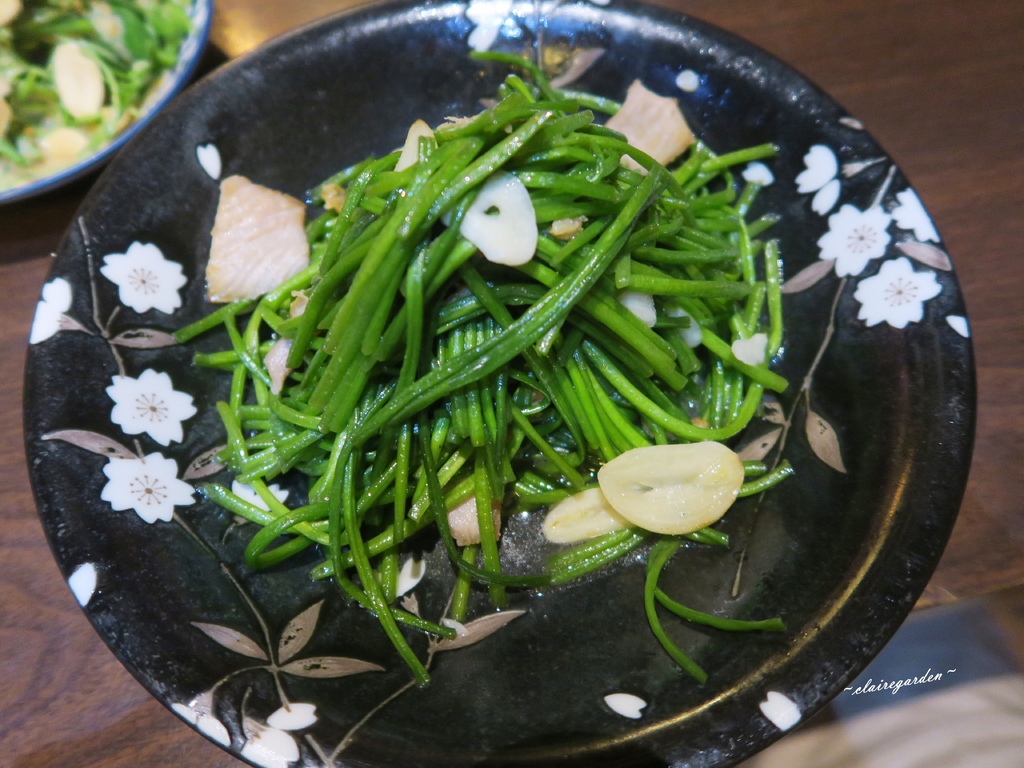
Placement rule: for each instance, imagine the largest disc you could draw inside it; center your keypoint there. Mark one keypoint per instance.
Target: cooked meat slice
(258, 241)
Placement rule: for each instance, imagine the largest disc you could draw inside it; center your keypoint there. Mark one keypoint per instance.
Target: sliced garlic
(653, 124)
(78, 79)
(275, 362)
(641, 305)
(411, 151)
(456, 121)
(583, 515)
(751, 351)
(567, 229)
(501, 221)
(299, 302)
(334, 197)
(465, 525)
(63, 145)
(691, 334)
(8, 10)
(672, 489)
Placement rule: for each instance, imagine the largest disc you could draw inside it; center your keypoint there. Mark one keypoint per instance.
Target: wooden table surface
(940, 84)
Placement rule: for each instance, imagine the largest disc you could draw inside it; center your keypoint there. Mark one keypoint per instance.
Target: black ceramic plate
(877, 422)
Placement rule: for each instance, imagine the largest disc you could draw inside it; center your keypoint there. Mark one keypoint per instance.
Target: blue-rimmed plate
(170, 84)
(878, 423)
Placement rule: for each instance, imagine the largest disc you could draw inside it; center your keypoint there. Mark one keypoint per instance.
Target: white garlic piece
(691, 334)
(751, 351)
(465, 524)
(78, 79)
(641, 305)
(501, 221)
(673, 489)
(276, 363)
(567, 229)
(583, 515)
(411, 150)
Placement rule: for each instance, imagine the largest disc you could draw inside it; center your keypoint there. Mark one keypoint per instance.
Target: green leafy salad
(557, 307)
(75, 73)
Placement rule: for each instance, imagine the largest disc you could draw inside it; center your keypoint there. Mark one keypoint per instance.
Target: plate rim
(880, 556)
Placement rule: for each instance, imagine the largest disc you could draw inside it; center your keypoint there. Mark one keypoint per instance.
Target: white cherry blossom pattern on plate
(488, 16)
(688, 81)
(625, 704)
(910, 214)
(854, 238)
(55, 301)
(199, 712)
(144, 278)
(269, 747)
(781, 710)
(896, 295)
(821, 168)
(409, 575)
(247, 493)
(959, 324)
(491, 17)
(758, 173)
(83, 583)
(149, 486)
(150, 404)
(293, 717)
(209, 159)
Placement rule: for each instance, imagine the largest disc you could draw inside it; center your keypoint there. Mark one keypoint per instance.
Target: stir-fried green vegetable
(424, 378)
(75, 73)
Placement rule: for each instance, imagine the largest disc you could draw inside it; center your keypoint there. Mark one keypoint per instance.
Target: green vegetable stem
(423, 376)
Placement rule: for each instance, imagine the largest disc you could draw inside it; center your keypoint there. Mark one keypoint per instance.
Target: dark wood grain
(940, 83)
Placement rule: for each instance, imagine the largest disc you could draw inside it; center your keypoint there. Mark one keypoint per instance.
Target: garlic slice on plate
(641, 305)
(673, 489)
(411, 149)
(501, 222)
(465, 524)
(583, 515)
